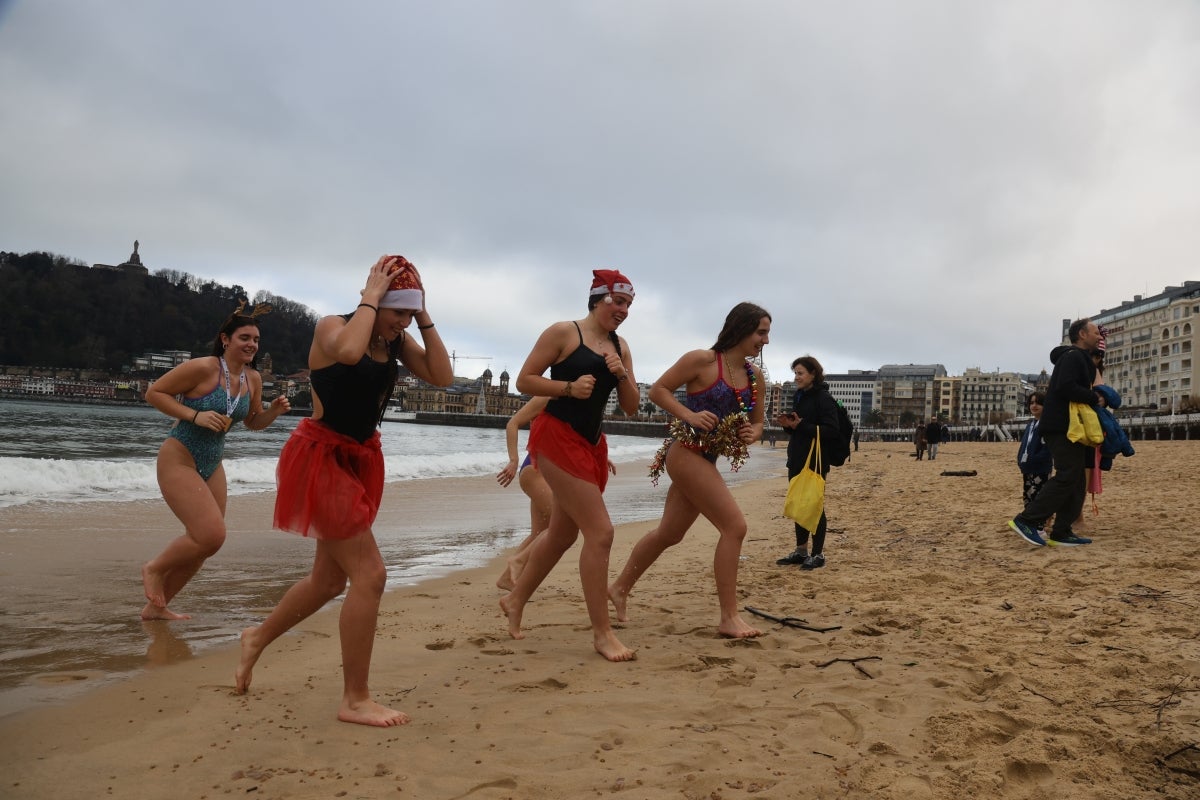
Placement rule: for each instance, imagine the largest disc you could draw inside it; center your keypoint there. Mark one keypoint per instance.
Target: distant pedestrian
(919, 440)
(934, 432)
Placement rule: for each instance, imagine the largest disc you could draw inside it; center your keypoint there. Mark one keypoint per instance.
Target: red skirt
(549, 436)
(329, 485)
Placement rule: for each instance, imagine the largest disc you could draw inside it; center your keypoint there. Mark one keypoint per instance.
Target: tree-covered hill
(59, 312)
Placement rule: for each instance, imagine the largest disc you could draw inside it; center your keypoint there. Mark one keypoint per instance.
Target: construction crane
(455, 358)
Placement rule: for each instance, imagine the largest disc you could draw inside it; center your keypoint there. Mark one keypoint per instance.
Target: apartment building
(855, 390)
(1151, 342)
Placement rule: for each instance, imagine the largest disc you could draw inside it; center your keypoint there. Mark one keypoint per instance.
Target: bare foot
(611, 648)
(152, 611)
(250, 653)
(619, 600)
(513, 612)
(152, 585)
(506, 581)
(736, 628)
(368, 712)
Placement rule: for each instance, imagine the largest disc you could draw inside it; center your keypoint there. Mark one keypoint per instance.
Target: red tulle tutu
(329, 484)
(554, 439)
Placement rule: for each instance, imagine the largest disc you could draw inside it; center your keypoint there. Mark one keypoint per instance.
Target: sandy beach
(965, 663)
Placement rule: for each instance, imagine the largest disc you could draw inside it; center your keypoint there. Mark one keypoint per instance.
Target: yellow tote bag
(806, 492)
(1084, 425)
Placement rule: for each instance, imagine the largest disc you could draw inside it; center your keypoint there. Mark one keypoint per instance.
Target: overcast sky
(917, 181)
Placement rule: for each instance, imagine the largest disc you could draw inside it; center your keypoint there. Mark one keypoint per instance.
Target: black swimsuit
(584, 416)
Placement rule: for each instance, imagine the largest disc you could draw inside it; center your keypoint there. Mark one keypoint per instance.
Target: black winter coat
(817, 410)
(1070, 382)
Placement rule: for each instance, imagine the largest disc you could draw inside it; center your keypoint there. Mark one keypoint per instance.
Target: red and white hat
(607, 281)
(405, 290)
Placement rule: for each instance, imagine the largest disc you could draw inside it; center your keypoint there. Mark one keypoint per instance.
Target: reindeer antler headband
(260, 309)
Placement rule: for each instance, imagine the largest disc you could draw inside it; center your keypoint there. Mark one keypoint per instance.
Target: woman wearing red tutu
(587, 361)
(330, 473)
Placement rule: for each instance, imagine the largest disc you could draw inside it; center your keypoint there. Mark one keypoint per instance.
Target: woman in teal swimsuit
(206, 395)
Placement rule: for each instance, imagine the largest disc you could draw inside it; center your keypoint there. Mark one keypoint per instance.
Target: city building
(947, 398)
(991, 397)
(905, 392)
(1150, 344)
(855, 390)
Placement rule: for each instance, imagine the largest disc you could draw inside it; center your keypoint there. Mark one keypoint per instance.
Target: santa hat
(405, 290)
(607, 281)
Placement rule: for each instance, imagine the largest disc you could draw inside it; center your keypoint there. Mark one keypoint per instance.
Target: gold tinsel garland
(722, 440)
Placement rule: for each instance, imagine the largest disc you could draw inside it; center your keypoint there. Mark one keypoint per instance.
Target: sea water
(70, 619)
(62, 453)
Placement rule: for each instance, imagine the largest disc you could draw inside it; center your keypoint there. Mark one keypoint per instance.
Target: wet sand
(965, 663)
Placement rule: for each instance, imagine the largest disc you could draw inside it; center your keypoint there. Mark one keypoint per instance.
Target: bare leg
(546, 551)
(578, 505)
(515, 563)
(200, 506)
(701, 488)
(541, 503)
(358, 560)
(678, 516)
(305, 597)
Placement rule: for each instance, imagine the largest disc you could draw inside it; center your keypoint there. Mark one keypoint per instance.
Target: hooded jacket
(1071, 382)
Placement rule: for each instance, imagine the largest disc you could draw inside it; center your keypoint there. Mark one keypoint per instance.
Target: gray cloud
(918, 182)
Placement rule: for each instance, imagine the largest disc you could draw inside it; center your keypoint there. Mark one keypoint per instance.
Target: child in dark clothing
(1033, 457)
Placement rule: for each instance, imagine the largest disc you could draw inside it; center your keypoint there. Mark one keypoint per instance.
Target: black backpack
(839, 449)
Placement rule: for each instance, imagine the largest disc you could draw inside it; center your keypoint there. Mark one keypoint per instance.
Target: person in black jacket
(934, 432)
(1063, 495)
(814, 411)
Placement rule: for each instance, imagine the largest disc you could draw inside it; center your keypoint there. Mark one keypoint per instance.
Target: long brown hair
(741, 321)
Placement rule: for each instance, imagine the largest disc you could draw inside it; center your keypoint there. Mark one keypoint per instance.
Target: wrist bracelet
(367, 305)
(567, 390)
(622, 377)
(195, 415)
(421, 327)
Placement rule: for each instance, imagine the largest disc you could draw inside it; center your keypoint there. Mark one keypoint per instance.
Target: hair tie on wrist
(421, 327)
(367, 305)
(195, 415)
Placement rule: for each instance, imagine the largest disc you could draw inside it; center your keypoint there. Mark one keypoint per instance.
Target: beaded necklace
(753, 382)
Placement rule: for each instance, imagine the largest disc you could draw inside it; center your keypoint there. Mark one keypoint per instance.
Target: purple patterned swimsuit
(721, 399)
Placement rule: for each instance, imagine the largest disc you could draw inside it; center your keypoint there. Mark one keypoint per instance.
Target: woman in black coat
(813, 410)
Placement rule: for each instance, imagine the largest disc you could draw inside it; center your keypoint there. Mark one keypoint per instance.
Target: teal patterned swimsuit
(206, 445)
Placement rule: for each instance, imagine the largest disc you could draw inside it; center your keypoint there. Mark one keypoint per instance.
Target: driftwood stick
(791, 622)
(1169, 700)
(853, 662)
(1184, 749)
(1050, 700)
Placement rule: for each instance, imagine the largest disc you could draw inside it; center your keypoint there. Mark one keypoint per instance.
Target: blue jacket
(1115, 439)
(1033, 457)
